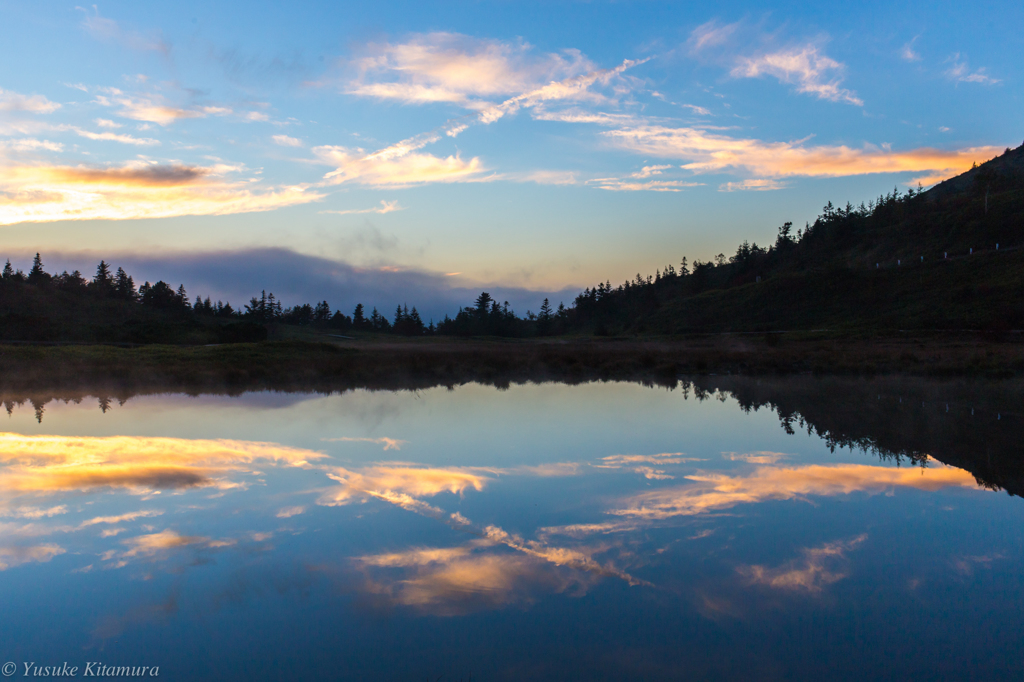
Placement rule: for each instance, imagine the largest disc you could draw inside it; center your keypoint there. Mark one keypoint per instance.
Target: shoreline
(396, 363)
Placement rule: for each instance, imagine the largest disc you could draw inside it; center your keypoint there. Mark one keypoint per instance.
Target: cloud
(155, 543)
(648, 171)
(288, 512)
(108, 30)
(107, 123)
(759, 457)
(154, 108)
(804, 67)
(460, 580)
(620, 185)
(707, 152)
(961, 73)
(574, 88)
(552, 470)
(398, 170)
(40, 193)
(34, 512)
(388, 443)
(752, 185)
(447, 67)
(120, 518)
(31, 145)
(712, 34)
(286, 141)
(631, 461)
(700, 111)
(713, 492)
(547, 177)
(32, 104)
(115, 137)
(907, 52)
(16, 556)
(615, 461)
(45, 464)
(817, 568)
(395, 481)
(385, 207)
(577, 115)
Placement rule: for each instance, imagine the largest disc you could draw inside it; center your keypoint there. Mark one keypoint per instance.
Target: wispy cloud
(754, 54)
(32, 104)
(711, 34)
(28, 144)
(630, 185)
(154, 108)
(15, 556)
(817, 567)
(388, 443)
(752, 185)
(397, 169)
(547, 177)
(707, 152)
(288, 512)
(114, 137)
(806, 67)
(908, 53)
(120, 518)
(108, 30)
(960, 72)
(156, 543)
(286, 141)
(447, 67)
(385, 207)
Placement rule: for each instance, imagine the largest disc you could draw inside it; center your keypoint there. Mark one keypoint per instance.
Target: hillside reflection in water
(719, 528)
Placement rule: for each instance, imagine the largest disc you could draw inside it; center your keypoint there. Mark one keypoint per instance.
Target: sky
(420, 151)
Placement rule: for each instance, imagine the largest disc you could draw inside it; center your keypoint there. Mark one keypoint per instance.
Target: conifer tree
(37, 275)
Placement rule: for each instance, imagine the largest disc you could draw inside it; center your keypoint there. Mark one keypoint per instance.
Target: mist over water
(713, 528)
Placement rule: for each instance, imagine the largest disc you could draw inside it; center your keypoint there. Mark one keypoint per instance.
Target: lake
(715, 528)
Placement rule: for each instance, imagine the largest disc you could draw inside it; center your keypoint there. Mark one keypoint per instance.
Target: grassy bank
(389, 364)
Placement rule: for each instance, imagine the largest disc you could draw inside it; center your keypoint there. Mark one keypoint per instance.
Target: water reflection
(50, 464)
(640, 530)
(712, 492)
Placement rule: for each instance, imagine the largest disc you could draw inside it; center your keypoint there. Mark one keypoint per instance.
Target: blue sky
(527, 145)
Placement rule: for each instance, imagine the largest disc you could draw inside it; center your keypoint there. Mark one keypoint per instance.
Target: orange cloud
(154, 543)
(459, 580)
(400, 483)
(707, 152)
(44, 464)
(718, 491)
(39, 193)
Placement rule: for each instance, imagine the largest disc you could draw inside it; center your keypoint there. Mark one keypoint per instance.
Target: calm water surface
(544, 532)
